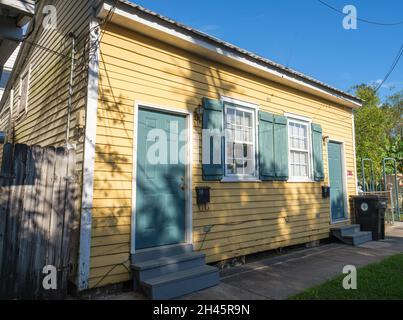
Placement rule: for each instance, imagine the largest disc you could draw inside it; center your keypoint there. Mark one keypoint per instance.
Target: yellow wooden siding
(247, 217)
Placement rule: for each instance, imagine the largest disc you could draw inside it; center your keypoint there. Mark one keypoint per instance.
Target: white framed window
(24, 92)
(240, 121)
(300, 149)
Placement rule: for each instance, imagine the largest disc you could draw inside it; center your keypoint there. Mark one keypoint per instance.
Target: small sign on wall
(350, 174)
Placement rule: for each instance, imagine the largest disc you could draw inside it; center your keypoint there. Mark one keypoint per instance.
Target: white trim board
(189, 166)
(89, 160)
(344, 174)
(355, 154)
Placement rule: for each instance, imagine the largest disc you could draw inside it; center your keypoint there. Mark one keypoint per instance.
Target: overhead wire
(392, 68)
(385, 24)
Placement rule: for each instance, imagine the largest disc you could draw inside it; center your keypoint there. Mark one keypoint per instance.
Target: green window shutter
(317, 151)
(281, 148)
(266, 146)
(213, 164)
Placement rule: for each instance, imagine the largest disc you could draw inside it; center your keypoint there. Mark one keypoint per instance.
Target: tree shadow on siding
(245, 218)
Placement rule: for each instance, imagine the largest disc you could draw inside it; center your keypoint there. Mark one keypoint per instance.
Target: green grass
(378, 281)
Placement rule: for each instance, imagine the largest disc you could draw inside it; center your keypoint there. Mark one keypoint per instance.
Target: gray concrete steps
(161, 266)
(346, 230)
(351, 234)
(176, 284)
(358, 238)
(166, 273)
(161, 252)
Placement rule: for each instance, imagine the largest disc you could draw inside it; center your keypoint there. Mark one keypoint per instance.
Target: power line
(392, 68)
(41, 47)
(360, 19)
(62, 55)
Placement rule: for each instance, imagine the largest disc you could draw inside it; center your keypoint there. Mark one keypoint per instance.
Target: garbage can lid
(370, 196)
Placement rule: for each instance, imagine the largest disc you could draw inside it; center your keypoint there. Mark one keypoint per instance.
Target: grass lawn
(378, 281)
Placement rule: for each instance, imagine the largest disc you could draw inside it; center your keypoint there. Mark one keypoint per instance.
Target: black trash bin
(370, 214)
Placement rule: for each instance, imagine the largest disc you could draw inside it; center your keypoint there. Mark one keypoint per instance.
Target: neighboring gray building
(14, 15)
(6, 72)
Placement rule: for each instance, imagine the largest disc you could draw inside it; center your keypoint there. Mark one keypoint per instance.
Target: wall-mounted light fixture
(326, 139)
(2, 137)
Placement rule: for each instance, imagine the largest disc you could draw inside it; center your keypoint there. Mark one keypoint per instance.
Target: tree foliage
(379, 127)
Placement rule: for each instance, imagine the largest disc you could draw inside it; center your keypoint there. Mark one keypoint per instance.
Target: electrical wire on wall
(209, 228)
(110, 271)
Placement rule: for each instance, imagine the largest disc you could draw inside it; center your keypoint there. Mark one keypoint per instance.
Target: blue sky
(304, 35)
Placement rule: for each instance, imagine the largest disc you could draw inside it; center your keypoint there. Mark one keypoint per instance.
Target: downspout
(70, 100)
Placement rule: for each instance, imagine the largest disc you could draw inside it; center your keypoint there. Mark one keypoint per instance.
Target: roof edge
(153, 19)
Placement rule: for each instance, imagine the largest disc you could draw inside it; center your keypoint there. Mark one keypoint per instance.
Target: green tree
(378, 129)
(393, 108)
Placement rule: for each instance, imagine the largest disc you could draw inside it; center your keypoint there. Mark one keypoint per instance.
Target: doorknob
(183, 185)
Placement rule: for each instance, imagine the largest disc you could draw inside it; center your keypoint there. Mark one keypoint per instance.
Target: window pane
(24, 92)
(230, 167)
(292, 167)
(296, 170)
(230, 116)
(304, 172)
(238, 133)
(239, 115)
(248, 119)
(299, 164)
(298, 136)
(230, 149)
(250, 167)
(240, 148)
(230, 134)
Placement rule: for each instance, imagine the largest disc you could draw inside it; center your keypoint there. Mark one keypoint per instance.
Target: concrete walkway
(283, 276)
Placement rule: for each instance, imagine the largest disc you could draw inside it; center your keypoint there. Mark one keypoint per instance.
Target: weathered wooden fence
(37, 209)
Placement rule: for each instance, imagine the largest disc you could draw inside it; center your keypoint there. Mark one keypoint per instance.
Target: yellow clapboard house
(260, 186)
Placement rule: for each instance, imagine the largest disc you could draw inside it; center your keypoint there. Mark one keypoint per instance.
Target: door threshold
(340, 221)
(169, 246)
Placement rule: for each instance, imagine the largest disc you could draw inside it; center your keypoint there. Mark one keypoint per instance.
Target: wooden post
(5, 180)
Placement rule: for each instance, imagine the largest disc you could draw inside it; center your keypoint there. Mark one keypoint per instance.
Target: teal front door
(160, 185)
(337, 196)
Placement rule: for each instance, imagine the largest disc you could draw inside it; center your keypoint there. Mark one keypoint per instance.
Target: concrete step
(160, 252)
(345, 230)
(158, 267)
(358, 238)
(179, 283)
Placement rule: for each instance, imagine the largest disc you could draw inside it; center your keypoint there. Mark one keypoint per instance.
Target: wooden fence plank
(5, 181)
(45, 209)
(23, 273)
(57, 212)
(69, 217)
(37, 210)
(14, 216)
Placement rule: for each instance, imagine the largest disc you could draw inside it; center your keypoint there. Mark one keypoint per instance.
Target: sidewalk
(284, 276)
